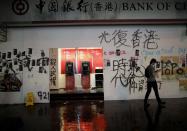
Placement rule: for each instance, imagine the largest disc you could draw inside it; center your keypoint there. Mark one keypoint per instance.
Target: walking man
(151, 83)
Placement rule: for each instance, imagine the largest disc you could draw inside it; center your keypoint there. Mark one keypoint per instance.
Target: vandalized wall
(127, 50)
(131, 50)
(23, 71)
(23, 68)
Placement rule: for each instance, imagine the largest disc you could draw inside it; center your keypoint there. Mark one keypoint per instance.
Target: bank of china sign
(51, 10)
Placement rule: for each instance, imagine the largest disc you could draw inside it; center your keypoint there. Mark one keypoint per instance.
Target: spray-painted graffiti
(119, 38)
(12, 65)
(151, 38)
(131, 75)
(43, 95)
(136, 38)
(128, 73)
(173, 67)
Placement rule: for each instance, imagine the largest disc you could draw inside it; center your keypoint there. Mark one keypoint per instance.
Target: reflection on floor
(64, 91)
(95, 116)
(61, 94)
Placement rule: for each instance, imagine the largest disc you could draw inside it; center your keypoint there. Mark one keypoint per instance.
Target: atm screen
(69, 68)
(85, 68)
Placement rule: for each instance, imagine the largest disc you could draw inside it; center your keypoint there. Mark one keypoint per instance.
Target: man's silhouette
(151, 83)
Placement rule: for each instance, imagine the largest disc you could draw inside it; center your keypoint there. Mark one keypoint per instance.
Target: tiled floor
(95, 116)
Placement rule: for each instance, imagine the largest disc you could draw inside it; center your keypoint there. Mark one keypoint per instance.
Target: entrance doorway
(76, 73)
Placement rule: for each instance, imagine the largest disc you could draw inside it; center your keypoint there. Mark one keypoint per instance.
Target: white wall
(88, 36)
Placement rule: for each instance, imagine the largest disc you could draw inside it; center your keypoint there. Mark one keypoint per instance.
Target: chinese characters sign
(52, 10)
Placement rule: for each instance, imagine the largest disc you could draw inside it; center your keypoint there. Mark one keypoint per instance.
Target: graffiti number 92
(43, 95)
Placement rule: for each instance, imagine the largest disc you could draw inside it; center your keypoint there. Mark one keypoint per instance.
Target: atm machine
(70, 79)
(85, 75)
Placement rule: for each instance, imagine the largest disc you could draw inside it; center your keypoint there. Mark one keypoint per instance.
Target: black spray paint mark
(151, 40)
(136, 38)
(127, 72)
(119, 38)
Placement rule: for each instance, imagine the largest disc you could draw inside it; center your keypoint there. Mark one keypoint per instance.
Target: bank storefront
(89, 47)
